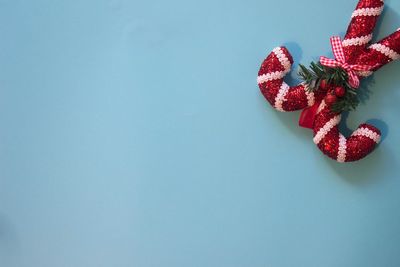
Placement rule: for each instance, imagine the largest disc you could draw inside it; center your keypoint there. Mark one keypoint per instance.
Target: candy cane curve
(278, 93)
(335, 145)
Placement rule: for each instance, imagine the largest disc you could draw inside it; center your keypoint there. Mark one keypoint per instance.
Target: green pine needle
(316, 73)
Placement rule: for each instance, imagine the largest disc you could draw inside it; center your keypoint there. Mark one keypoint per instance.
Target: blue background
(133, 133)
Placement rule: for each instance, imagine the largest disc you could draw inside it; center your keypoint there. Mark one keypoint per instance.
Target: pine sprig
(316, 73)
(313, 76)
(348, 102)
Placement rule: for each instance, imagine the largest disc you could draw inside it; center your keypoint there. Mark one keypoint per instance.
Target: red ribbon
(340, 61)
(307, 116)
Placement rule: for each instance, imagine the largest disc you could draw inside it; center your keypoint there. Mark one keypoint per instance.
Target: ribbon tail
(307, 116)
(337, 49)
(327, 62)
(354, 81)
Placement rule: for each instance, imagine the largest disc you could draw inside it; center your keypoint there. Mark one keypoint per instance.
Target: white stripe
(310, 95)
(367, 133)
(358, 40)
(326, 129)
(367, 12)
(282, 58)
(280, 98)
(321, 106)
(387, 51)
(342, 148)
(270, 76)
(364, 73)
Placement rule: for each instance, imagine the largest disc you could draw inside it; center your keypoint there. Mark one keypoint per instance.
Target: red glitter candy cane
(357, 51)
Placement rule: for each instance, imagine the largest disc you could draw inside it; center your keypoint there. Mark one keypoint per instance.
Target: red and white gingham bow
(340, 61)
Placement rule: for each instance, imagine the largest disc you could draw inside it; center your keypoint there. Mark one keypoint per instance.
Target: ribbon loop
(340, 61)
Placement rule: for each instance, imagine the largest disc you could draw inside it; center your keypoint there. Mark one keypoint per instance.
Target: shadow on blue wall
(388, 22)
(297, 54)
(9, 243)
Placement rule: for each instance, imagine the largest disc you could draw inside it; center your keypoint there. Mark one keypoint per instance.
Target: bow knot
(340, 61)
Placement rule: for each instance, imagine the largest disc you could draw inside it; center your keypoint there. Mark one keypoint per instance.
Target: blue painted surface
(132, 133)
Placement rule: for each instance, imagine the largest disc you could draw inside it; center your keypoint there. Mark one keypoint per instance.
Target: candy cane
(333, 144)
(280, 95)
(382, 52)
(357, 51)
(361, 27)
